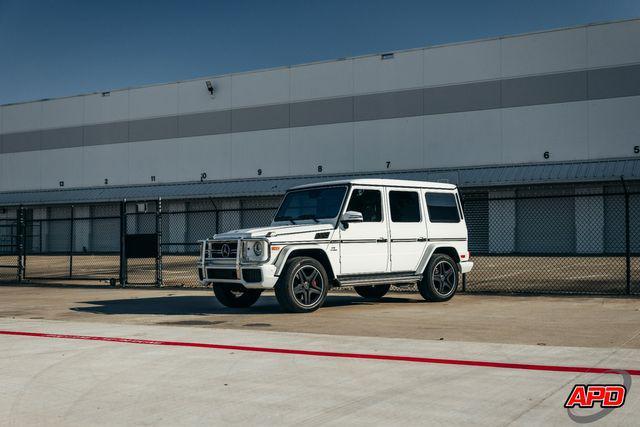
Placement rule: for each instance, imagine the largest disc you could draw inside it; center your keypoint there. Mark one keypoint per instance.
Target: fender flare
(428, 253)
(285, 252)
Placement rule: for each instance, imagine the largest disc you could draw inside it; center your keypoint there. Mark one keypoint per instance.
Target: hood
(273, 231)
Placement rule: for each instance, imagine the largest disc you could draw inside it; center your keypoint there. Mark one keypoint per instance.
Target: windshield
(314, 203)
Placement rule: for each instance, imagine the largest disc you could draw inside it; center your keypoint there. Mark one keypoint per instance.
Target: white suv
(366, 233)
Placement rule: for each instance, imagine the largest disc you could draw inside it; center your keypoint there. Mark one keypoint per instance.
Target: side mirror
(351, 216)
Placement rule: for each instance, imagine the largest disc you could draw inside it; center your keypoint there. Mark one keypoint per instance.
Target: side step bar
(378, 280)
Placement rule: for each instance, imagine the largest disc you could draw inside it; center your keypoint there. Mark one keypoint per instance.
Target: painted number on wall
(636, 149)
(259, 171)
(546, 155)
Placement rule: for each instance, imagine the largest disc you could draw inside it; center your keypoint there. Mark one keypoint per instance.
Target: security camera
(210, 87)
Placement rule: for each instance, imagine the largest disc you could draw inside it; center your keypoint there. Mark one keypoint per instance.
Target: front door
(408, 230)
(364, 246)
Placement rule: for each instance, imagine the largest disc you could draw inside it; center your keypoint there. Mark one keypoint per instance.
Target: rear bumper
(466, 266)
(249, 276)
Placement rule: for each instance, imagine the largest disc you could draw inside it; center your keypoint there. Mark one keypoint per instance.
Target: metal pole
(20, 238)
(159, 243)
(123, 252)
(627, 237)
(71, 237)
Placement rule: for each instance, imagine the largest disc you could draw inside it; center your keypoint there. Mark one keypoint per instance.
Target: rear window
(405, 206)
(442, 207)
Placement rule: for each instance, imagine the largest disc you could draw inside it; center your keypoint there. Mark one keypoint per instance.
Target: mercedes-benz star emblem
(226, 250)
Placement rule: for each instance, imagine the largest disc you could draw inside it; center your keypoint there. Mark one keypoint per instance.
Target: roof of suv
(382, 183)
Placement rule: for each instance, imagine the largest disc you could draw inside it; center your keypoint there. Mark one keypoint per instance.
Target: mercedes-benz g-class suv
(365, 233)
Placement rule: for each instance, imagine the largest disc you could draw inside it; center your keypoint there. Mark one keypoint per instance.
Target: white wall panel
(153, 101)
(106, 161)
(266, 150)
(614, 127)
(322, 80)
(263, 87)
(544, 53)
(403, 71)
(22, 117)
(560, 129)
(462, 63)
(63, 112)
(210, 154)
(398, 141)
(194, 97)
(329, 146)
(65, 164)
(460, 139)
(157, 158)
(21, 171)
(614, 44)
(104, 109)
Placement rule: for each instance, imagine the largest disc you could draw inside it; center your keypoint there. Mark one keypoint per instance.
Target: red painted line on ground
(414, 359)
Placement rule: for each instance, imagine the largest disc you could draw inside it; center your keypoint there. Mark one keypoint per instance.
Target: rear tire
(235, 298)
(372, 291)
(440, 280)
(303, 285)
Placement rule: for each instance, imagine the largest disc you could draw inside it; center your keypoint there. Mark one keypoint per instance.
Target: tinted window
(315, 203)
(368, 203)
(404, 206)
(442, 207)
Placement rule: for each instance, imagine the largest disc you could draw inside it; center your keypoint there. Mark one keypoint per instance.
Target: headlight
(255, 250)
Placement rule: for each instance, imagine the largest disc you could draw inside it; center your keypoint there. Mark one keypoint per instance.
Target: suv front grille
(223, 249)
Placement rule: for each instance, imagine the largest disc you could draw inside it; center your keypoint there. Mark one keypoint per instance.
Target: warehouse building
(498, 117)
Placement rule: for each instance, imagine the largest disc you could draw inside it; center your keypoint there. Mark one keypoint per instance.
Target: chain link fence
(530, 240)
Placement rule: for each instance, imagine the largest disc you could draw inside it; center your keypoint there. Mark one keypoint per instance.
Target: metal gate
(10, 248)
(141, 253)
(72, 243)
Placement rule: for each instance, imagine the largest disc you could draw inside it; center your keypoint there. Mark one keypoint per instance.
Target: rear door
(364, 245)
(407, 229)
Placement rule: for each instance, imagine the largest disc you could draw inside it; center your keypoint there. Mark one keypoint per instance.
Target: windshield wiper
(285, 218)
(308, 216)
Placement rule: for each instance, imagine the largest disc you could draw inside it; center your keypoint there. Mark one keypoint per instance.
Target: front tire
(372, 291)
(440, 280)
(236, 298)
(303, 285)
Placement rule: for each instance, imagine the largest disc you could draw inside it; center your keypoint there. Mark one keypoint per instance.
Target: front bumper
(260, 276)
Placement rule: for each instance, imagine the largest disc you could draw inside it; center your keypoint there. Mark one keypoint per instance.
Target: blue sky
(51, 48)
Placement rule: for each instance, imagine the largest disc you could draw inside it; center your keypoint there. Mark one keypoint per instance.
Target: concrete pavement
(61, 381)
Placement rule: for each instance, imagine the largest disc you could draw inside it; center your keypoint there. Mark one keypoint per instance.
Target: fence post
(20, 242)
(71, 237)
(627, 235)
(123, 233)
(159, 238)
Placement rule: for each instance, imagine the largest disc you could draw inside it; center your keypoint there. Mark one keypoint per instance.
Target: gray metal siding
(563, 87)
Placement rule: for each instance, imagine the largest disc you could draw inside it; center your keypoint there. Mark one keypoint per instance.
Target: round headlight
(257, 248)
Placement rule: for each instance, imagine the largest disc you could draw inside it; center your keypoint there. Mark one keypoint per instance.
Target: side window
(368, 203)
(405, 206)
(442, 207)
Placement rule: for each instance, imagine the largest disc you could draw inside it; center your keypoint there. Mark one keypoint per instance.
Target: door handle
(422, 239)
(381, 240)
